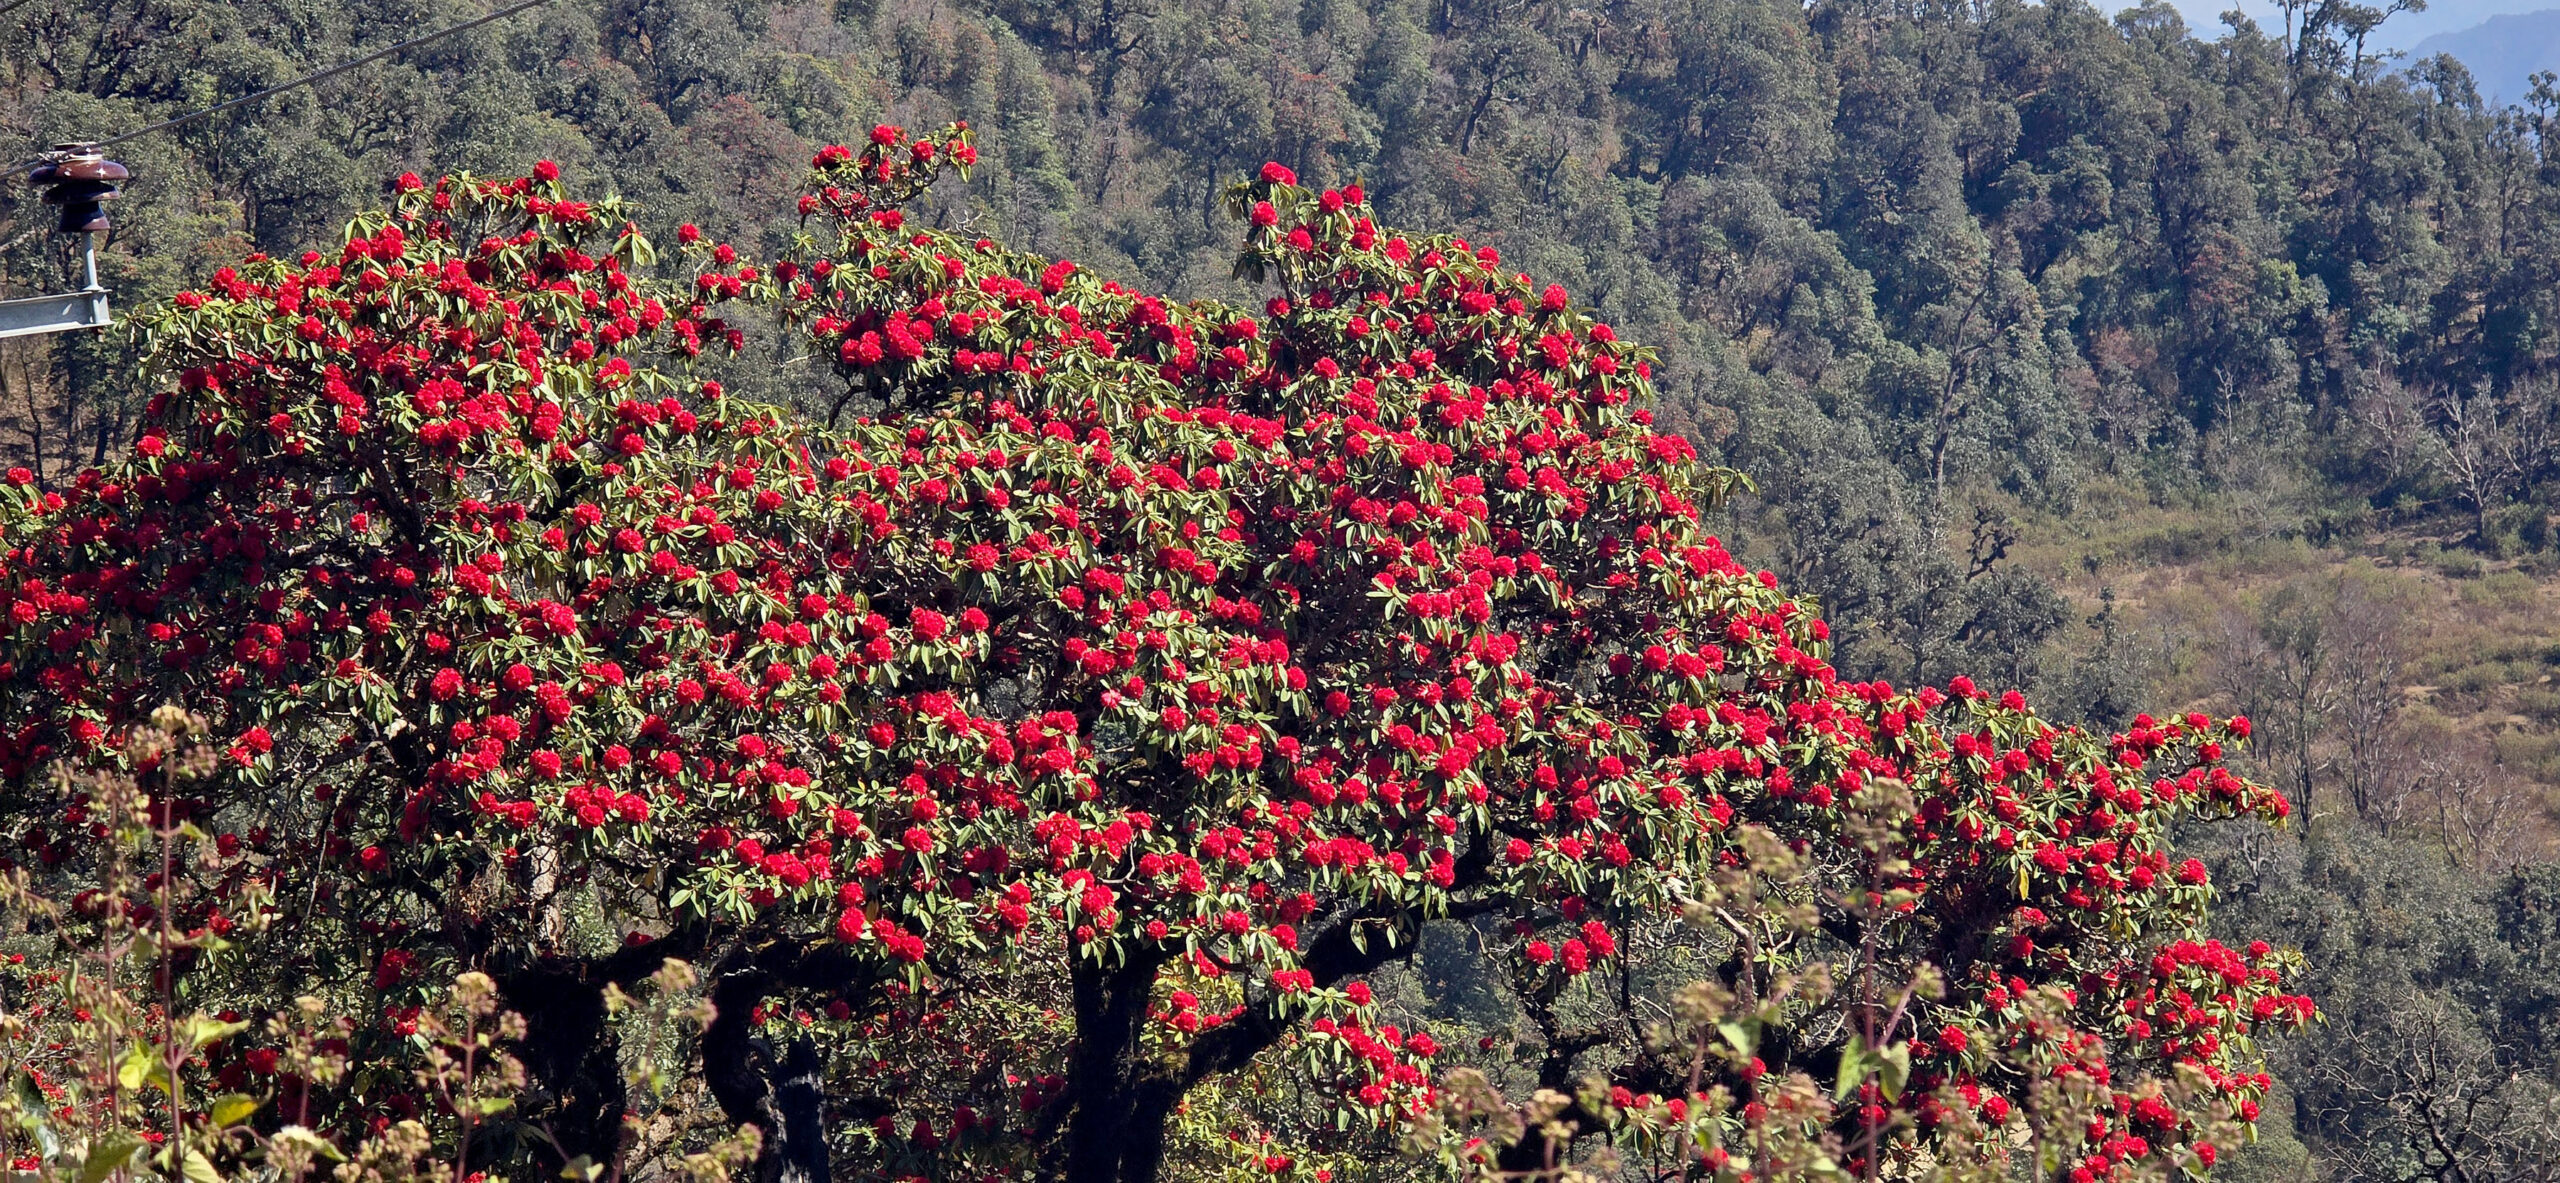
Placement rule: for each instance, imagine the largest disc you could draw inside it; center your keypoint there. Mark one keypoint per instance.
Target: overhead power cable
(331, 72)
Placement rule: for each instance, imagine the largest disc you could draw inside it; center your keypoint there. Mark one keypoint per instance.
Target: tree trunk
(1115, 1132)
(570, 1053)
(798, 1153)
(776, 1090)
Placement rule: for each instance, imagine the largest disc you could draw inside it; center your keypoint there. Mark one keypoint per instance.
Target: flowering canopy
(1084, 708)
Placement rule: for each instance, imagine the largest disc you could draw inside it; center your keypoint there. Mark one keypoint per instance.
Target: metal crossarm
(30, 315)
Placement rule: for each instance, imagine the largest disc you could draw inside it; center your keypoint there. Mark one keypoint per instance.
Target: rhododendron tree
(1040, 744)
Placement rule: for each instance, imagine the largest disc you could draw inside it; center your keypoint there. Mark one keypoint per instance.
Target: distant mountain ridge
(2503, 52)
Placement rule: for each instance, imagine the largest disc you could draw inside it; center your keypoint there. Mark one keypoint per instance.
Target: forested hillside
(2133, 363)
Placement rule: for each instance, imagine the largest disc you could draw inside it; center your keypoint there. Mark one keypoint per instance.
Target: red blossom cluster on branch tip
(1137, 648)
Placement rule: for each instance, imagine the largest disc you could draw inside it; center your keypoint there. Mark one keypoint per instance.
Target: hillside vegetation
(2133, 364)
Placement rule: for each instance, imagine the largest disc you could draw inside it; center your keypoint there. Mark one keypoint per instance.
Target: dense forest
(2126, 362)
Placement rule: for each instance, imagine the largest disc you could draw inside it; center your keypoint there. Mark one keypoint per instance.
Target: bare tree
(2484, 811)
(2318, 664)
(50, 422)
(2367, 650)
(2277, 667)
(2393, 419)
(2489, 442)
(2426, 1095)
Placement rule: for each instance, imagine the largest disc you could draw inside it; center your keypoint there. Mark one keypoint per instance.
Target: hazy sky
(2402, 31)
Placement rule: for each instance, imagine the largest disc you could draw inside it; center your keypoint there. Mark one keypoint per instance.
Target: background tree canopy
(2131, 363)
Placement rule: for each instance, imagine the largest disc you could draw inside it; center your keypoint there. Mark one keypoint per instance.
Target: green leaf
(230, 1109)
(199, 1169)
(1853, 1068)
(1895, 1065)
(108, 1153)
(30, 1098)
(202, 1031)
(193, 1166)
(303, 1138)
(142, 1066)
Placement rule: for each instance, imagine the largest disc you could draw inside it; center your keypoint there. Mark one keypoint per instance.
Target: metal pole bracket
(29, 315)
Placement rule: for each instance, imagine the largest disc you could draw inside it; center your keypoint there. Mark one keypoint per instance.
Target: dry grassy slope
(2478, 638)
